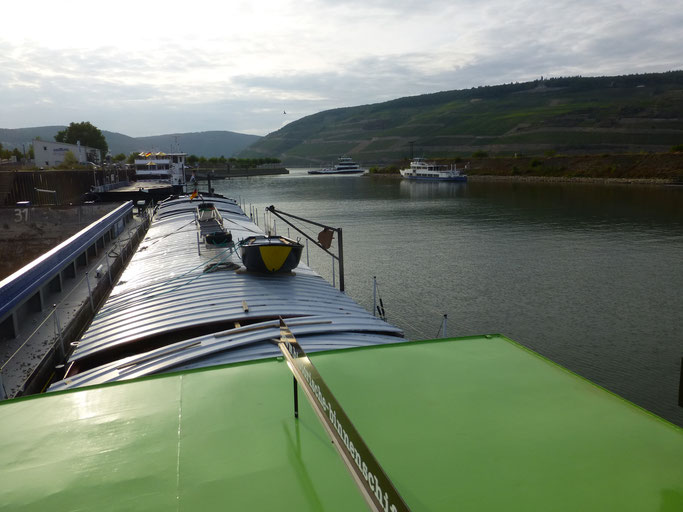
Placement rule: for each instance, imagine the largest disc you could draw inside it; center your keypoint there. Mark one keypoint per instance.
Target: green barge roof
(477, 423)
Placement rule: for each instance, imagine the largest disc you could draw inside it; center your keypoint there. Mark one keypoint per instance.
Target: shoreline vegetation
(556, 179)
(649, 168)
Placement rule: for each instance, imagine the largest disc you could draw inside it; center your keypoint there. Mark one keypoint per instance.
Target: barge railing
(321, 238)
(29, 292)
(28, 284)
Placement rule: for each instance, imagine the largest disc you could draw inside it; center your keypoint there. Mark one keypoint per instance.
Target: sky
(158, 67)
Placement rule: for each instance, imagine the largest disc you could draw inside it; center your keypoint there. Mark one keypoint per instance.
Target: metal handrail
(340, 244)
(56, 307)
(26, 281)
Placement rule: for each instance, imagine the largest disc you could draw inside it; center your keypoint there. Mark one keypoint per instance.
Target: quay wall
(52, 186)
(29, 231)
(35, 338)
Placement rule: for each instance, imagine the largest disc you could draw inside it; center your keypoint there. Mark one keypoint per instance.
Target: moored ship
(207, 287)
(160, 166)
(420, 169)
(179, 396)
(344, 165)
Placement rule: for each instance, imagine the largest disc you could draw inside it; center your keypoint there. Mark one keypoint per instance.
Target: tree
(119, 158)
(85, 133)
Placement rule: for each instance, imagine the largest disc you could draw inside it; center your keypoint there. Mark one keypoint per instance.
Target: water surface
(588, 275)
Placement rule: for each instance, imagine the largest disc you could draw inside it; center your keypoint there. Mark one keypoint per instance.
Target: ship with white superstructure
(344, 165)
(421, 169)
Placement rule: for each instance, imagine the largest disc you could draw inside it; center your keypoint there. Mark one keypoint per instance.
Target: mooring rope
(223, 255)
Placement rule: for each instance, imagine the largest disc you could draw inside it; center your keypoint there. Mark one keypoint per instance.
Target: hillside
(576, 115)
(208, 144)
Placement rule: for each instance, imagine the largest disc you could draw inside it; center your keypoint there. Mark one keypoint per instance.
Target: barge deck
(178, 397)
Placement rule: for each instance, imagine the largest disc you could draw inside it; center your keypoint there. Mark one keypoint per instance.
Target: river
(588, 275)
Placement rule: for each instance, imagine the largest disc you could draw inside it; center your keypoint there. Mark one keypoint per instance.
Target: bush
(391, 169)
(70, 161)
(480, 154)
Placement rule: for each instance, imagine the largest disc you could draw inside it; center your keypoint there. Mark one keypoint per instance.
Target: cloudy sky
(147, 68)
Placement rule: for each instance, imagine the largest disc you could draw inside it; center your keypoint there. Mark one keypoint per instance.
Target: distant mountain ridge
(207, 144)
(567, 115)
(572, 115)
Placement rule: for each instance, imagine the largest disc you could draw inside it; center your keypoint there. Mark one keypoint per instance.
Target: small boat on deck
(270, 253)
(210, 223)
(204, 411)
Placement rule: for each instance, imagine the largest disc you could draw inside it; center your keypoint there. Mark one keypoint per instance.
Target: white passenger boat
(420, 169)
(344, 165)
(160, 166)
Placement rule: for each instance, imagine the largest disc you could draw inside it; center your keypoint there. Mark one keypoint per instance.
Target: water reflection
(589, 275)
(432, 189)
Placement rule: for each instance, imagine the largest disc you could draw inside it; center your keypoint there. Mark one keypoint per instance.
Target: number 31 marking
(21, 214)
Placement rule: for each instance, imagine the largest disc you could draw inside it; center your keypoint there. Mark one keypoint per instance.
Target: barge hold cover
(476, 423)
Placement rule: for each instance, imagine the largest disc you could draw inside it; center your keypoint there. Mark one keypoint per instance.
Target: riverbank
(569, 179)
(242, 172)
(661, 168)
(555, 179)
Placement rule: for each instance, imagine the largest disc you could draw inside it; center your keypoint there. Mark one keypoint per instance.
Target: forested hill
(574, 115)
(208, 144)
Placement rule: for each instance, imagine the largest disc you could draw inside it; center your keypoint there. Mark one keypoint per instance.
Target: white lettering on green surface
(357, 454)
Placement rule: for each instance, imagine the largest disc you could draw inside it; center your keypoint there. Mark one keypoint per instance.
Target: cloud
(150, 68)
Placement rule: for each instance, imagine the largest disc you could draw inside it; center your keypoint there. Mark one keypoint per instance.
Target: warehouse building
(51, 154)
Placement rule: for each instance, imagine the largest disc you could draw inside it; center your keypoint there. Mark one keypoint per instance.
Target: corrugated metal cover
(179, 300)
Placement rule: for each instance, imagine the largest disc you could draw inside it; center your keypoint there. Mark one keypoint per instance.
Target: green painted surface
(469, 424)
